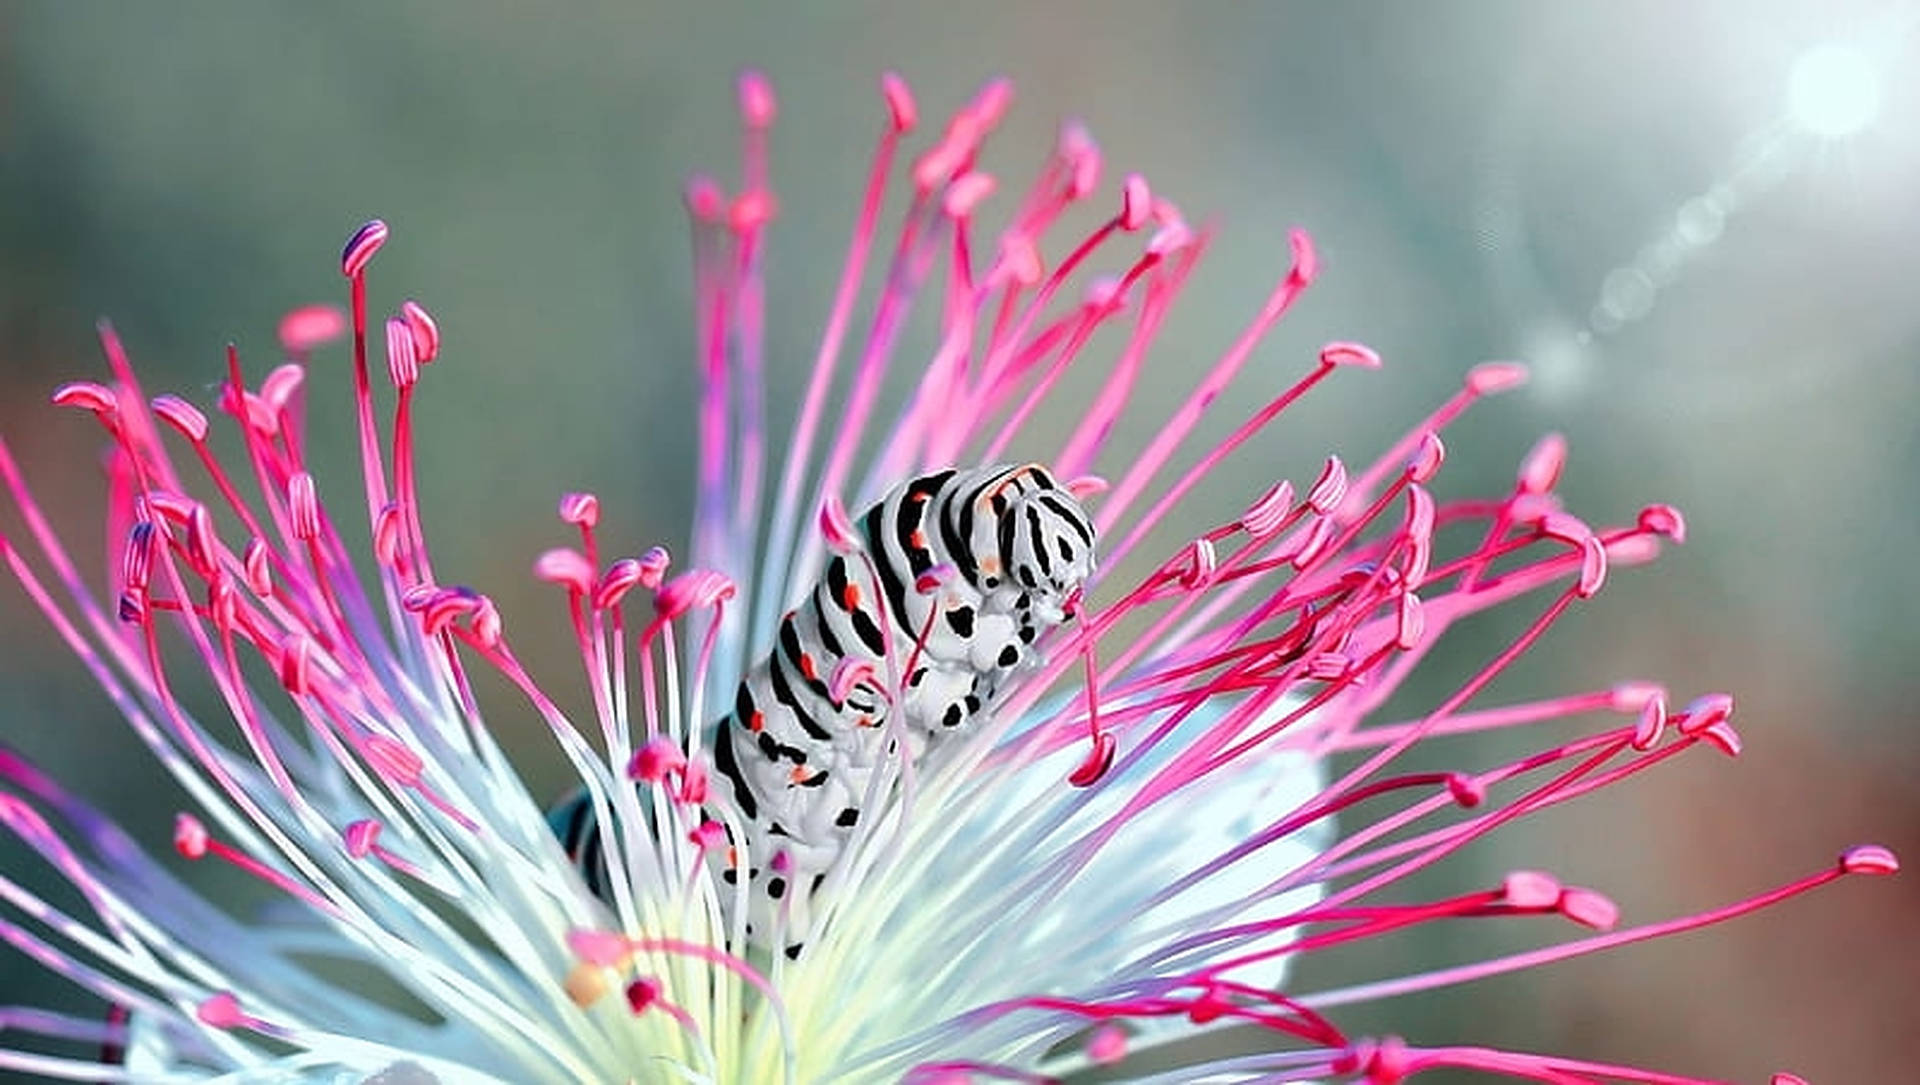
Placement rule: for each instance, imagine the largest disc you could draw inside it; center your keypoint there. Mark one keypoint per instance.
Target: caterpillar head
(1046, 542)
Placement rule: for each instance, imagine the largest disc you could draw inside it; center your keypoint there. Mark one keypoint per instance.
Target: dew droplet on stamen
(1540, 468)
(836, 527)
(902, 111)
(425, 330)
(360, 248)
(303, 506)
(1870, 859)
(189, 420)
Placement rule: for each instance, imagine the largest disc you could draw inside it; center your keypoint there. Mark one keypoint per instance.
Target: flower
(1132, 841)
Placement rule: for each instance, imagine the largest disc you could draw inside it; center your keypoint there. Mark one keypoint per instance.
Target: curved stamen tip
(653, 566)
(425, 330)
(620, 578)
(837, 527)
(1651, 723)
(311, 326)
(1466, 790)
(705, 202)
(902, 112)
(1704, 711)
(221, 1010)
(1329, 488)
(1874, 859)
(690, 590)
(1107, 1045)
(1136, 202)
(1493, 378)
(752, 210)
(88, 396)
(758, 106)
(600, 949)
(642, 993)
(580, 509)
(1540, 470)
(1098, 760)
(935, 578)
(1664, 520)
(1530, 889)
(190, 420)
(654, 761)
(966, 193)
(1427, 458)
(189, 836)
(403, 361)
(1265, 516)
(361, 837)
(360, 248)
(1593, 567)
(1342, 352)
(1786, 1079)
(1306, 262)
(1589, 908)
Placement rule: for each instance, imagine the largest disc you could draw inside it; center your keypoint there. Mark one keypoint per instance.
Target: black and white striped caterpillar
(950, 580)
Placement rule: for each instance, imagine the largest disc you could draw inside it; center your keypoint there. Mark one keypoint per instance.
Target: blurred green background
(1714, 281)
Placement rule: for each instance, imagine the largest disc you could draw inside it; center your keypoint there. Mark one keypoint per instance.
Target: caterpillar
(905, 639)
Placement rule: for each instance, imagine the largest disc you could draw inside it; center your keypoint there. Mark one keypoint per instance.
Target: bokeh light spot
(1834, 91)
